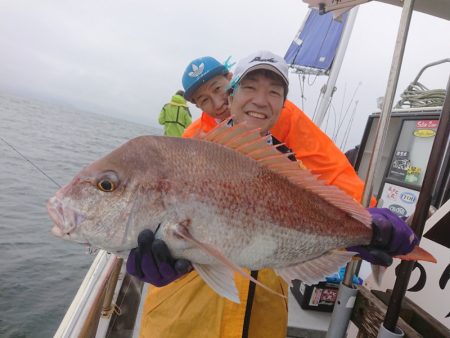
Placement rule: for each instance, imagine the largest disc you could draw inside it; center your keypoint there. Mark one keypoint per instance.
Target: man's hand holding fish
(152, 262)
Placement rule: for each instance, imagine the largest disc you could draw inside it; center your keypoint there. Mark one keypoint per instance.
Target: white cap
(261, 60)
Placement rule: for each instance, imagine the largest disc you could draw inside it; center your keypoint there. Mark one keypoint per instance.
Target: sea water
(40, 273)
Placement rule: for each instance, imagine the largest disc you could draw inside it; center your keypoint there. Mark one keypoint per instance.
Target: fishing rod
(341, 122)
(29, 161)
(349, 127)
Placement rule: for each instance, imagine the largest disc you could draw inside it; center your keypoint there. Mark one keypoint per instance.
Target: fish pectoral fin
(224, 262)
(313, 271)
(220, 279)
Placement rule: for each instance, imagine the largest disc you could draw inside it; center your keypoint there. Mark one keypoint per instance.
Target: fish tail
(418, 254)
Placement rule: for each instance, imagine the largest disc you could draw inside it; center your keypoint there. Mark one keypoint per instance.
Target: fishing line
(348, 108)
(157, 229)
(43, 173)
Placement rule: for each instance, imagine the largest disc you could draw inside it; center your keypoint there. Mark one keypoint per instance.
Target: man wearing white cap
(186, 306)
(258, 90)
(256, 96)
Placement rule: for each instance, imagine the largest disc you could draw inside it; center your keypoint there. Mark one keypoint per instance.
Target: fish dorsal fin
(315, 270)
(255, 146)
(212, 273)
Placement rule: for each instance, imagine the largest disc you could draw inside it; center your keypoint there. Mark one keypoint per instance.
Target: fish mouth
(66, 220)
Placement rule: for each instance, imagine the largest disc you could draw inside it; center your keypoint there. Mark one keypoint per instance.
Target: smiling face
(258, 100)
(212, 97)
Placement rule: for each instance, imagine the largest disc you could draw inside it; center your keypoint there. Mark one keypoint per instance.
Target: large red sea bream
(225, 202)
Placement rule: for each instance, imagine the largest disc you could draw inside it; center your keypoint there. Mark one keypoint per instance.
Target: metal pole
(380, 137)
(383, 124)
(421, 213)
(342, 311)
(428, 66)
(337, 63)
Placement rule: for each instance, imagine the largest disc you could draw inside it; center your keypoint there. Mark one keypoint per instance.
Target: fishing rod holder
(385, 333)
(343, 309)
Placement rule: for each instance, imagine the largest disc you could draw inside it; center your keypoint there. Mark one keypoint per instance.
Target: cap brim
(268, 67)
(208, 76)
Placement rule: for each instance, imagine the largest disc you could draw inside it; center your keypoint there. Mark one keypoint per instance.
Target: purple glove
(152, 262)
(391, 237)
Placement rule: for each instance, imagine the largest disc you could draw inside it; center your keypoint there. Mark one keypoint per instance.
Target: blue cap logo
(196, 71)
(200, 71)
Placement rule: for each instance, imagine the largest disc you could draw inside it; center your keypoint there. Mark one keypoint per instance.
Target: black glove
(152, 262)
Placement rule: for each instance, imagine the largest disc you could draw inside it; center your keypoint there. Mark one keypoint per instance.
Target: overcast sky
(125, 58)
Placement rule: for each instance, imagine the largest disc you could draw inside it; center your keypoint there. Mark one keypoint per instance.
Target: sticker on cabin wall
(400, 200)
(408, 197)
(424, 133)
(413, 175)
(392, 192)
(400, 164)
(398, 210)
(427, 124)
(426, 128)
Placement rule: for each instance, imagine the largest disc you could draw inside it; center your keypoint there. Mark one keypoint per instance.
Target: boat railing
(94, 298)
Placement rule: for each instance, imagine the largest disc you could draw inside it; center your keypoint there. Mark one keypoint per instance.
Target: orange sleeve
(202, 125)
(192, 129)
(317, 151)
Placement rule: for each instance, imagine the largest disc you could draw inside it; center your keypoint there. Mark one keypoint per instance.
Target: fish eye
(106, 185)
(108, 181)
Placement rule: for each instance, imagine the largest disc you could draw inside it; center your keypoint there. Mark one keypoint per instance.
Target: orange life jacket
(202, 125)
